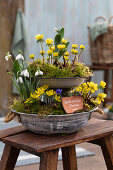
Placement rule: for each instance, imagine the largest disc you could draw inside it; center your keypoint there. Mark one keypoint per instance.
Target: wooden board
(11, 131)
(38, 143)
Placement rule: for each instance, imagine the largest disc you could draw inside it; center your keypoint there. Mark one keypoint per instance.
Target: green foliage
(62, 52)
(20, 51)
(61, 32)
(16, 68)
(67, 44)
(57, 41)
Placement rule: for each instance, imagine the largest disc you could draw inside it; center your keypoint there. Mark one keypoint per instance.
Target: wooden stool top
(25, 140)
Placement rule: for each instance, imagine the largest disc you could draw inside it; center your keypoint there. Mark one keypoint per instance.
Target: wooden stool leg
(49, 160)
(69, 158)
(107, 149)
(9, 158)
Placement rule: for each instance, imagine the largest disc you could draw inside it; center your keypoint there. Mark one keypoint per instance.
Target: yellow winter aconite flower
(28, 100)
(45, 87)
(55, 54)
(49, 52)
(84, 85)
(53, 48)
(59, 46)
(57, 98)
(95, 101)
(66, 53)
(34, 96)
(40, 91)
(92, 86)
(47, 58)
(82, 47)
(42, 52)
(50, 92)
(31, 56)
(101, 96)
(84, 88)
(102, 84)
(74, 51)
(74, 45)
(66, 58)
(78, 89)
(49, 41)
(39, 37)
(64, 40)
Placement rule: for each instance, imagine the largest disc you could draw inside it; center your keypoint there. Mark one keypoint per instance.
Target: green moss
(49, 70)
(42, 109)
(38, 108)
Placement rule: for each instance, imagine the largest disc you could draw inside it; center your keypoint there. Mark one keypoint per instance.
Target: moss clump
(38, 108)
(52, 71)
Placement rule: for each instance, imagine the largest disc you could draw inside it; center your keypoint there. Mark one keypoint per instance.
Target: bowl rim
(61, 77)
(65, 115)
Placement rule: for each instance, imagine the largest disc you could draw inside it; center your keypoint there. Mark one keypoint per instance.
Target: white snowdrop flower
(19, 79)
(38, 73)
(19, 56)
(8, 56)
(55, 29)
(25, 73)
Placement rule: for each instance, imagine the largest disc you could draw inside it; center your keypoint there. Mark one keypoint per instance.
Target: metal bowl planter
(54, 124)
(61, 82)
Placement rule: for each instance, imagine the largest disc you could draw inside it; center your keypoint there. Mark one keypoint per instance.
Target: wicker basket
(102, 48)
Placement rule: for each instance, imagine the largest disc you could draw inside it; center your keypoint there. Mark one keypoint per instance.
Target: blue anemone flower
(58, 91)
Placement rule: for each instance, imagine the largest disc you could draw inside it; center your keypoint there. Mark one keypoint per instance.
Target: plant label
(72, 104)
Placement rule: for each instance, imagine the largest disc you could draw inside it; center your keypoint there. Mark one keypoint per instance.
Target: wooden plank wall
(8, 10)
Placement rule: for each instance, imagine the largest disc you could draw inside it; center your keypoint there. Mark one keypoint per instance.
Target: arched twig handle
(110, 19)
(100, 17)
(10, 116)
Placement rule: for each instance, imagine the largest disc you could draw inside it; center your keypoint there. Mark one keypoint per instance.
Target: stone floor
(86, 163)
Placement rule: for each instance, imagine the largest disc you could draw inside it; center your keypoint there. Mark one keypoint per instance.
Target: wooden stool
(18, 138)
(106, 69)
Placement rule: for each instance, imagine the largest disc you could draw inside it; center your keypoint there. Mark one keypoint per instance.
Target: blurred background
(42, 17)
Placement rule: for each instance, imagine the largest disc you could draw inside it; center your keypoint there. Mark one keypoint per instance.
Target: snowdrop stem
(22, 65)
(12, 60)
